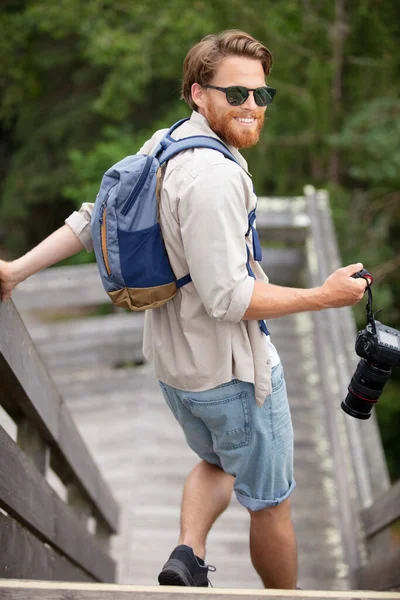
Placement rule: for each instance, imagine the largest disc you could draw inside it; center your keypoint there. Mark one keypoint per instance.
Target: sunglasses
(237, 94)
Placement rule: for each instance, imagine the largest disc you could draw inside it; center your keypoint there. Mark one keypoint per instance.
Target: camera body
(378, 346)
(379, 351)
(382, 348)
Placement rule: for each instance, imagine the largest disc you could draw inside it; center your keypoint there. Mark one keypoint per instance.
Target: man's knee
(279, 511)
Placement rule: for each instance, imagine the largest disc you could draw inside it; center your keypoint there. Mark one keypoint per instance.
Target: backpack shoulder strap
(173, 147)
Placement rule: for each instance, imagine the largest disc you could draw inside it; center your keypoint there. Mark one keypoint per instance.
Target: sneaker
(185, 568)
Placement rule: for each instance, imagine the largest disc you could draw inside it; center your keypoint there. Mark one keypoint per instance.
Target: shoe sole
(175, 573)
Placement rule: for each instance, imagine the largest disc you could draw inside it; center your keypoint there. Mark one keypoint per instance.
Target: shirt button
(268, 362)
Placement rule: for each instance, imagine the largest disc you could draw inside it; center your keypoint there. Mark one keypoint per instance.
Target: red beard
(225, 128)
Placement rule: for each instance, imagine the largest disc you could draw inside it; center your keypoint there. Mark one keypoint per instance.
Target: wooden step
(35, 590)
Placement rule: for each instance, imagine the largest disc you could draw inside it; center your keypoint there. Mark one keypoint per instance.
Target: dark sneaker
(185, 568)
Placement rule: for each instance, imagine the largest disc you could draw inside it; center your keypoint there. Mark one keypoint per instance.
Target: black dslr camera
(379, 348)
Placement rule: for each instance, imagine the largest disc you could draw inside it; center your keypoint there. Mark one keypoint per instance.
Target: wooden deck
(141, 452)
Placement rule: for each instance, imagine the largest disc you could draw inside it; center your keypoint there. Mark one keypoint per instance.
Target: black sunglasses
(237, 94)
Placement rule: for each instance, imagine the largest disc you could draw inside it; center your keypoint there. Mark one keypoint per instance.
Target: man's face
(226, 120)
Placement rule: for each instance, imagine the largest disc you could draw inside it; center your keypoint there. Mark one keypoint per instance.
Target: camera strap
(370, 314)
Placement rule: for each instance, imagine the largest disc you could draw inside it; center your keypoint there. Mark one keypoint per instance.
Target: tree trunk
(338, 35)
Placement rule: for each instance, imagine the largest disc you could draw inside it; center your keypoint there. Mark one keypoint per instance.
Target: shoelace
(210, 568)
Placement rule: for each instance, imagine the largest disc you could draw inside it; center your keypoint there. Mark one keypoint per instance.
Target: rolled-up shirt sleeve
(213, 222)
(79, 222)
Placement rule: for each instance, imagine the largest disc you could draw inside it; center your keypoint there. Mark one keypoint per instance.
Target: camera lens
(365, 389)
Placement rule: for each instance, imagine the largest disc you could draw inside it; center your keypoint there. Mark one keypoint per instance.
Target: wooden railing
(362, 484)
(366, 501)
(383, 568)
(42, 535)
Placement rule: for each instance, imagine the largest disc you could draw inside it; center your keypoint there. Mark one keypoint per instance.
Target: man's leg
(273, 548)
(206, 495)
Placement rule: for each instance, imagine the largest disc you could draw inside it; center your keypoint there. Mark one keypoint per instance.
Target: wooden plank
(20, 491)
(24, 556)
(75, 541)
(103, 534)
(81, 285)
(363, 444)
(26, 590)
(91, 342)
(384, 511)
(78, 500)
(327, 349)
(32, 389)
(364, 438)
(383, 573)
(30, 499)
(24, 382)
(33, 444)
(61, 286)
(283, 219)
(75, 452)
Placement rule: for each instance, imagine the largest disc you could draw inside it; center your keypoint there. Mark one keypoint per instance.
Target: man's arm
(272, 301)
(61, 244)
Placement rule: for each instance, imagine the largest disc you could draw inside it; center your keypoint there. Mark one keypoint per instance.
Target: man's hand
(8, 279)
(61, 244)
(340, 289)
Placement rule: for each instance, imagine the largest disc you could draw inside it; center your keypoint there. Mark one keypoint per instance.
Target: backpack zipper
(136, 190)
(103, 234)
(103, 204)
(103, 229)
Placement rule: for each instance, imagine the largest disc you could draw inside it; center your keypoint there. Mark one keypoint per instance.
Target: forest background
(84, 83)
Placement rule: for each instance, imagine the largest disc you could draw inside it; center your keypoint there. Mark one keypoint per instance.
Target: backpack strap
(171, 148)
(257, 252)
(262, 323)
(168, 148)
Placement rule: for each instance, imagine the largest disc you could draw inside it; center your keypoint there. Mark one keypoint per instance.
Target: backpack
(130, 252)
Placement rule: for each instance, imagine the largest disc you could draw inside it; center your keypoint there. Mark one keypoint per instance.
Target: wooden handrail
(383, 512)
(383, 568)
(361, 471)
(47, 435)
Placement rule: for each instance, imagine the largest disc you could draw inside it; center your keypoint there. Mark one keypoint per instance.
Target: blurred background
(83, 84)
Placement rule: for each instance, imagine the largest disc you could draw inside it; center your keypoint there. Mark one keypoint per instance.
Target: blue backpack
(130, 252)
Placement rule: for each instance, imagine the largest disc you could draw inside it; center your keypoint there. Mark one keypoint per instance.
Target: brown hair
(202, 60)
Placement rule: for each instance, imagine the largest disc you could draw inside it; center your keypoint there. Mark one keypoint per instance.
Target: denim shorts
(224, 426)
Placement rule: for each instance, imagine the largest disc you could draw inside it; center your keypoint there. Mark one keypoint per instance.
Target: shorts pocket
(282, 430)
(277, 377)
(170, 401)
(226, 418)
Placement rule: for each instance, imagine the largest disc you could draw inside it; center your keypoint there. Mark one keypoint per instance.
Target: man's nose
(250, 103)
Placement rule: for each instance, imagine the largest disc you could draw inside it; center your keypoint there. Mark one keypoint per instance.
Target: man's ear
(198, 95)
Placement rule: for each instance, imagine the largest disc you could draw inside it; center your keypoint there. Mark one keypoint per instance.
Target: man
(218, 369)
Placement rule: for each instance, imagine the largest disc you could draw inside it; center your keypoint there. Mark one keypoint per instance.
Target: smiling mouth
(245, 120)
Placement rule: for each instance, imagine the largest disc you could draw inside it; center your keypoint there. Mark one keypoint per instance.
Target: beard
(225, 128)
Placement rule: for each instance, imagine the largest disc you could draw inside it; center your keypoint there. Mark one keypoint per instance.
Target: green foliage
(85, 83)
(374, 133)
(389, 422)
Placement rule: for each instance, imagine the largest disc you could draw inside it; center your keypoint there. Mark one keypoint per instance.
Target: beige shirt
(198, 340)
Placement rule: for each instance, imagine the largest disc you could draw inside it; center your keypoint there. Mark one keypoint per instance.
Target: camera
(378, 346)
